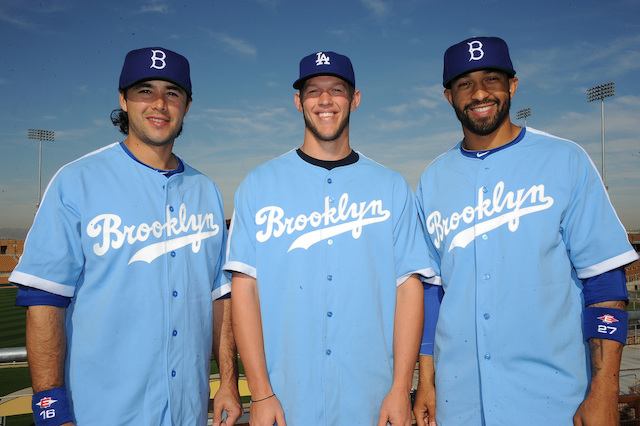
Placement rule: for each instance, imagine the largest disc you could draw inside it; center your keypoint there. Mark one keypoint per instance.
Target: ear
(188, 105)
(123, 102)
(513, 86)
(448, 95)
(298, 101)
(355, 100)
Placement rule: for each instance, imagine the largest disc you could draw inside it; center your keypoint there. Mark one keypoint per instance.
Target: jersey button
(173, 373)
(485, 316)
(175, 293)
(173, 254)
(329, 180)
(175, 333)
(330, 242)
(487, 356)
(171, 208)
(328, 352)
(485, 237)
(485, 189)
(486, 276)
(331, 199)
(329, 314)
(329, 277)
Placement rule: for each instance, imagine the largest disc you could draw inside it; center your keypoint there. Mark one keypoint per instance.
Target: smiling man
(120, 269)
(529, 256)
(326, 248)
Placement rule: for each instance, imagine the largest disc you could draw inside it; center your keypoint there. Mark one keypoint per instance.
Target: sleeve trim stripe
(607, 265)
(41, 284)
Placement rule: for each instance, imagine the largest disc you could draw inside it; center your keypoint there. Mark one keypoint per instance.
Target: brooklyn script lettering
(345, 218)
(512, 205)
(114, 235)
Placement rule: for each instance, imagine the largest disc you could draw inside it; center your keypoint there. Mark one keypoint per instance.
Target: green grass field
(12, 323)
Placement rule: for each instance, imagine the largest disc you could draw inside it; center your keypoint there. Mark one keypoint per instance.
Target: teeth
(326, 114)
(156, 120)
(483, 109)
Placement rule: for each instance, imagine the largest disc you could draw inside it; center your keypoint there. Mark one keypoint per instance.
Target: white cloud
(378, 7)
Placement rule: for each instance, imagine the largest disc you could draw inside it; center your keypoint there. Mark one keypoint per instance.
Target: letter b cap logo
(155, 63)
(474, 54)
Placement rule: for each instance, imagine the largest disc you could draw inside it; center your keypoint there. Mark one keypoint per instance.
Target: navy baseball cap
(325, 63)
(155, 63)
(474, 54)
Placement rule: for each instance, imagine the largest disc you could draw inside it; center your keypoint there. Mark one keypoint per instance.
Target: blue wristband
(606, 323)
(51, 407)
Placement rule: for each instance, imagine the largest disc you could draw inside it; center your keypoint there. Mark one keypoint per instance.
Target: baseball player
(120, 269)
(325, 250)
(530, 255)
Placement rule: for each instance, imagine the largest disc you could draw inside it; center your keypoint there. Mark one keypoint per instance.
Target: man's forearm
(407, 331)
(224, 345)
(247, 329)
(46, 346)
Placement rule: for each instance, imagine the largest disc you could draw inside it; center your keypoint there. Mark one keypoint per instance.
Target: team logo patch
(46, 402)
(608, 319)
(475, 50)
(322, 59)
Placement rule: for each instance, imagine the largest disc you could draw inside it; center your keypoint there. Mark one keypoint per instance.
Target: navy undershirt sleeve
(611, 285)
(28, 296)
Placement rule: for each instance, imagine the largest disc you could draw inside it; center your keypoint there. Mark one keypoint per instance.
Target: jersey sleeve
(434, 257)
(241, 248)
(221, 283)
(53, 258)
(410, 248)
(595, 238)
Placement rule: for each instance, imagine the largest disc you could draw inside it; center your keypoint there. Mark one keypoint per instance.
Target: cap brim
(447, 84)
(156, 78)
(299, 82)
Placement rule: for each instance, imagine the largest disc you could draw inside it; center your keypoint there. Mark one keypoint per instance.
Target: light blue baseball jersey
(140, 255)
(328, 249)
(514, 231)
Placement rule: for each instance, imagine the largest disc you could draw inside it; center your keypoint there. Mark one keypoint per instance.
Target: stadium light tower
(599, 93)
(41, 135)
(524, 113)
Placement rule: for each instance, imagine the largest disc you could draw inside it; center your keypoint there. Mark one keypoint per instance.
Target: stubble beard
(326, 138)
(483, 126)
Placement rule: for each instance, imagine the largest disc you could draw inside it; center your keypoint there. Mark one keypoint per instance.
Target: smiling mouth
(482, 108)
(325, 114)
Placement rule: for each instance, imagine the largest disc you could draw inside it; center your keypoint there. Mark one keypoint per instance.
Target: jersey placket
(486, 284)
(332, 348)
(177, 301)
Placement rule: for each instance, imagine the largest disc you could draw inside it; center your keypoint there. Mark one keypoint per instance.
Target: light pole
(599, 93)
(524, 113)
(41, 135)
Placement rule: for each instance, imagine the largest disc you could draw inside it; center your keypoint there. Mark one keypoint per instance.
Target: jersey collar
(481, 155)
(167, 173)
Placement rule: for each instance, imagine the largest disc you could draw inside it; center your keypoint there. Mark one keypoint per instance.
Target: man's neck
(501, 136)
(326, 150)
(158, 157)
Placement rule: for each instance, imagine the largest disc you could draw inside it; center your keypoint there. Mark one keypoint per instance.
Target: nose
(325, 98)
(480, 92)
(159, 103)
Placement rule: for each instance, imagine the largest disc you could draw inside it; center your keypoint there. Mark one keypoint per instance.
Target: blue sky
(61, 59)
